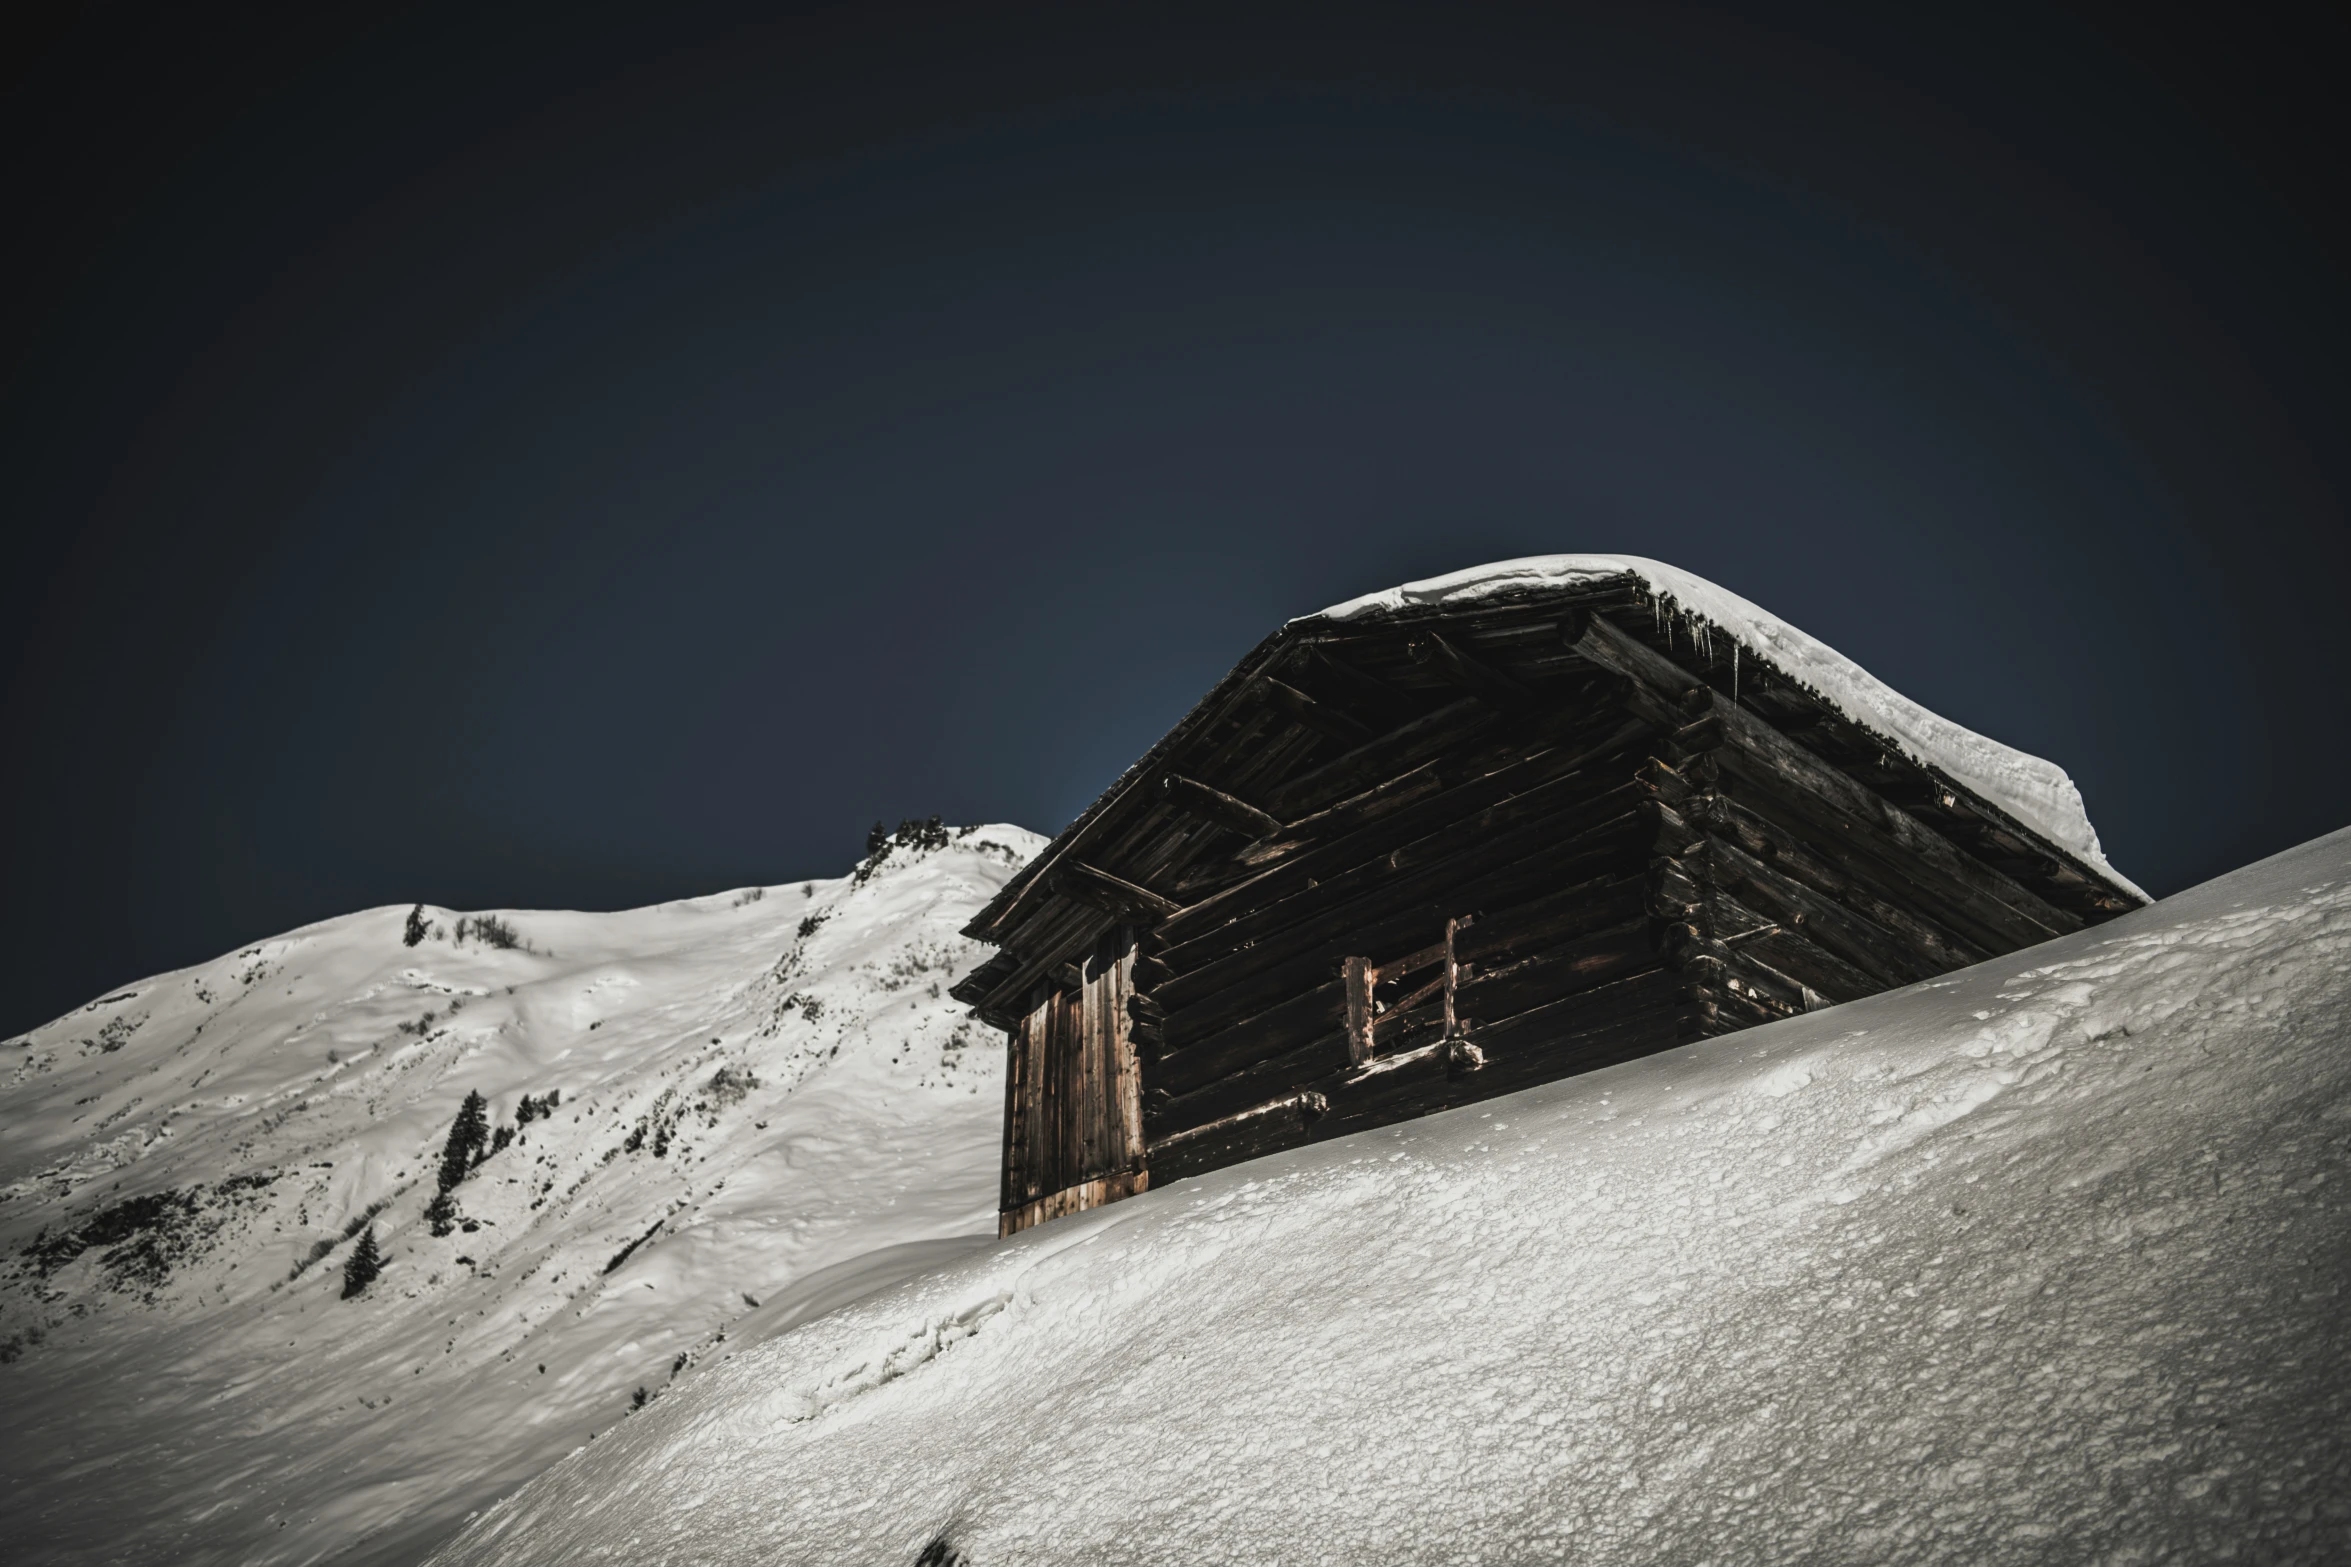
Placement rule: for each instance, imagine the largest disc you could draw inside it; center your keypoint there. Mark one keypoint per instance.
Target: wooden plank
(1521, 918)
(1358, 975)
(1302, 1104)
(1289, 1023)
(1785, 853)
(1382, 757)
(1071, 1199)
(1432, 651)
(1546, 822)
(1782, 900)
(1038, 1026)
(1577, 1018)
(1092, 1097)
(1330, 722)
(1515, 791)
(1619, 1022)
(1126, 1064)
(1760, 747)
(1435, 793)
(1165, 1113)
(1190, 1086)
(1112, 1115)
(1602, 958)
(1327, 669)
(1536, 980)
(1017, 1074)
(1983, 890)
(1113, 894)
(1789, 949)
(1063, 931)
(1229, 737)
(1189, 794)
(1868, 859)
(1402, 916)
(1355, 811)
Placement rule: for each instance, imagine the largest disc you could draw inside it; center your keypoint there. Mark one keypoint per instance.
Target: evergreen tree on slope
(469, 1140)
(362, 1266)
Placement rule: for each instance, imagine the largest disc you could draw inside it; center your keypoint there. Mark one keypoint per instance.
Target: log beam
(1195, 798)
(1995, 895)
(1317, 716)
(1113, 895)
(1480, 679)
(1332, 673)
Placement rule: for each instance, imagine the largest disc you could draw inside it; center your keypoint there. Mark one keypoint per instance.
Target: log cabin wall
(1394, 867)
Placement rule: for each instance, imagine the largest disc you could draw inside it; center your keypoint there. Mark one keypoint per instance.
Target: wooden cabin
(1408, 858)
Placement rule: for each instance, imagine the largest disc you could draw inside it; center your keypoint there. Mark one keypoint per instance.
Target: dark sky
(582, 457)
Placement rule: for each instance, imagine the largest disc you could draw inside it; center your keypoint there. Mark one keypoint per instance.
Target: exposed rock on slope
(763, 1104)
(2042, 1261)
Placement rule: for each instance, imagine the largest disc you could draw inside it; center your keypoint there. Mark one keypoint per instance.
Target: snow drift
(2040, 1261)
(767, 1106)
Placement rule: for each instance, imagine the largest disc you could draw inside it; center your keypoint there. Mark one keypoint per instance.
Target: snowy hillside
(764, 1105)
(2041, 1261)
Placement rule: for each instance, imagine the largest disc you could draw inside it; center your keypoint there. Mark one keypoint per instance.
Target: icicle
(1734, 671)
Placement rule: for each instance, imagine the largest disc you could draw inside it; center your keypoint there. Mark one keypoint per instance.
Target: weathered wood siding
(1633, 842)
(1073, 1093)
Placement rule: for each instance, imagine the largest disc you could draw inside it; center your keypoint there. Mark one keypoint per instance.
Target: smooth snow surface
(2037, 793)
(180, 1393)
(2044, 1261)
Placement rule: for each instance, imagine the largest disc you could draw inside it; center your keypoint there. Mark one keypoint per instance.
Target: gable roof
(1427, 664)
(2035, 793)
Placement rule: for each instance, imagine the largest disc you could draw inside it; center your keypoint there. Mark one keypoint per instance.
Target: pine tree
(362, 1266)
(469, 1139)
(441, 1213)
(416, 926)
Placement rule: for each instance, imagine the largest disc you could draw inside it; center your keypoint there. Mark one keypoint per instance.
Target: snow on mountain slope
(2043, 1261)
(766, 1103)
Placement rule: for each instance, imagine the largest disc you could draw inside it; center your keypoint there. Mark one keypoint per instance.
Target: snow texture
(2037, 793)
(2043, 1261)
(768, 1108)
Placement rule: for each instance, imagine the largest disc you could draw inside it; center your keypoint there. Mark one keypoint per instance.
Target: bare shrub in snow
(916, 836)
(728, 1085)
(491, 931)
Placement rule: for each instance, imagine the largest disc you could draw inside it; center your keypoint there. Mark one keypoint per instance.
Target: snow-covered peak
(764, 1103)
(2036, 792)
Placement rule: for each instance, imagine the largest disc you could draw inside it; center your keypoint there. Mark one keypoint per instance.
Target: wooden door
(1073, 1113)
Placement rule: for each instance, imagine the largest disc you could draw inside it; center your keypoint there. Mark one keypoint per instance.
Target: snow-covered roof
(2037, 793)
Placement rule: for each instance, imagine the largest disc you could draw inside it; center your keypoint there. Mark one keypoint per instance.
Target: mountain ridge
(755, 1092)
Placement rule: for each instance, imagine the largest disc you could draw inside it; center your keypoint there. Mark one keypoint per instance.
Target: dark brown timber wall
(1073, 1098)
(1394, 867)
